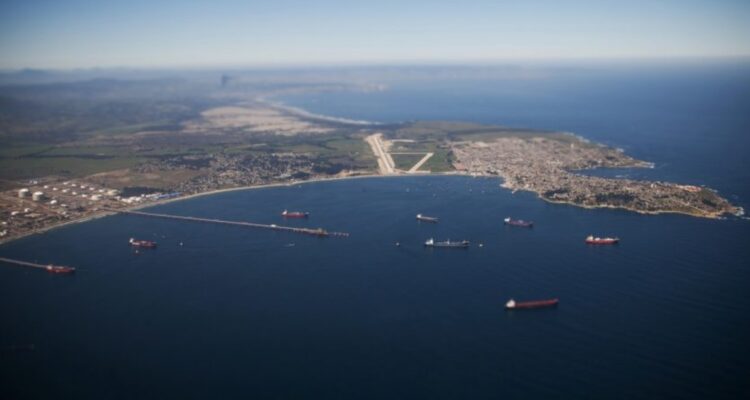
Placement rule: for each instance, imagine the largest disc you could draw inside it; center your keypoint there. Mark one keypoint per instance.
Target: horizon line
(389, 63)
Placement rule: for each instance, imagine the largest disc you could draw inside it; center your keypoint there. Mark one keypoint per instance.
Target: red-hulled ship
(142, 243)
(597, 240)
(295, 214)
(59, 269)
(513, 305)
(518, 222)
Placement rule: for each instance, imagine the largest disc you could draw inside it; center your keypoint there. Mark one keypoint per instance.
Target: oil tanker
(463, 244)
(597, 240)
(59, 269)
(513, 305)
(142, 243)
(294, 214)
(425, 218)
(518, 222)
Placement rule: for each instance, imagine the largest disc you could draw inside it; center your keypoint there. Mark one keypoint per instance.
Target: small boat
(142, 243)
(425, 218)
(463, 244)
(294, 214)
(597, 240)
(513, 305)
(58, 269)
(518, 222)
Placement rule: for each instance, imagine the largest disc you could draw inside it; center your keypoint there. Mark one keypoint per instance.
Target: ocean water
(691, 120)
(242, 313)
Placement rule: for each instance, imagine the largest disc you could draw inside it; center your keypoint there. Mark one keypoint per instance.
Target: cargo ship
(294, 214)
(518, 222)
(513, 305)
(142, 243)
(597, 240)
(463, 244)
(58, 269)
(425, 218)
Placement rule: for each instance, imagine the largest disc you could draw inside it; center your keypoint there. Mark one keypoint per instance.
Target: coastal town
(47, 203)
(554, 167)
(256, 143)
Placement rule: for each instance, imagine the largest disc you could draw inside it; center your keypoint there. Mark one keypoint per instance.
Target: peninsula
(554, 167)
(54, 173)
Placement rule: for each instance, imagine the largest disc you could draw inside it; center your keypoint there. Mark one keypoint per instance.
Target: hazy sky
(82, 33)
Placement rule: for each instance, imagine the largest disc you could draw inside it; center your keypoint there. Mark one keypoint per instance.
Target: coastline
(369, 174)
(310, 115)
(631, 209)
(104, 214)
(635, 210)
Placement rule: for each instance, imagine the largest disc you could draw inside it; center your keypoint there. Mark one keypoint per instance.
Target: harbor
(236, 289)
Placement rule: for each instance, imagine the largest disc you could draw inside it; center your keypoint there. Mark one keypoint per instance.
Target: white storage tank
(23, 193)
(37, 196)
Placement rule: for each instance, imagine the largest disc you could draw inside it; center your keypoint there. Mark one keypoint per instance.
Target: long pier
(55, 269)
(319, 232)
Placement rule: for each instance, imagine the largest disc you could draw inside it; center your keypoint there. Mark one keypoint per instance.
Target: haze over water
(245, 313)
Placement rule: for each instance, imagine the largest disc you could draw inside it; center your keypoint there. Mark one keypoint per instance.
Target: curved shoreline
(333, 179)
(642, 212)
(201, 194)
(340, 178)
(300, 112)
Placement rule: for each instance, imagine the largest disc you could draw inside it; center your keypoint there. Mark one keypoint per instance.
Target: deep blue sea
(241, 313)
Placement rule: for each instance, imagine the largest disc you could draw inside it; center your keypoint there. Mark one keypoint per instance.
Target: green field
(25, 168)
(440, 162)
(351, 152)
(406, 161)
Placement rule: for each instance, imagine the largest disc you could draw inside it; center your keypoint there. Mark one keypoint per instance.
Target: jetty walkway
(320, 232)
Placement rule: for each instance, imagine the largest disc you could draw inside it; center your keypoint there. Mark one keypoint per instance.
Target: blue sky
(82, 33)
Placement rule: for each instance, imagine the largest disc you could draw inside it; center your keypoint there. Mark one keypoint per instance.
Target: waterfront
(236, 312)
(688, 119)
(249, 313)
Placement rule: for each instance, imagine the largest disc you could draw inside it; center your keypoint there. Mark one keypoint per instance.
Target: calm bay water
(236, 312)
